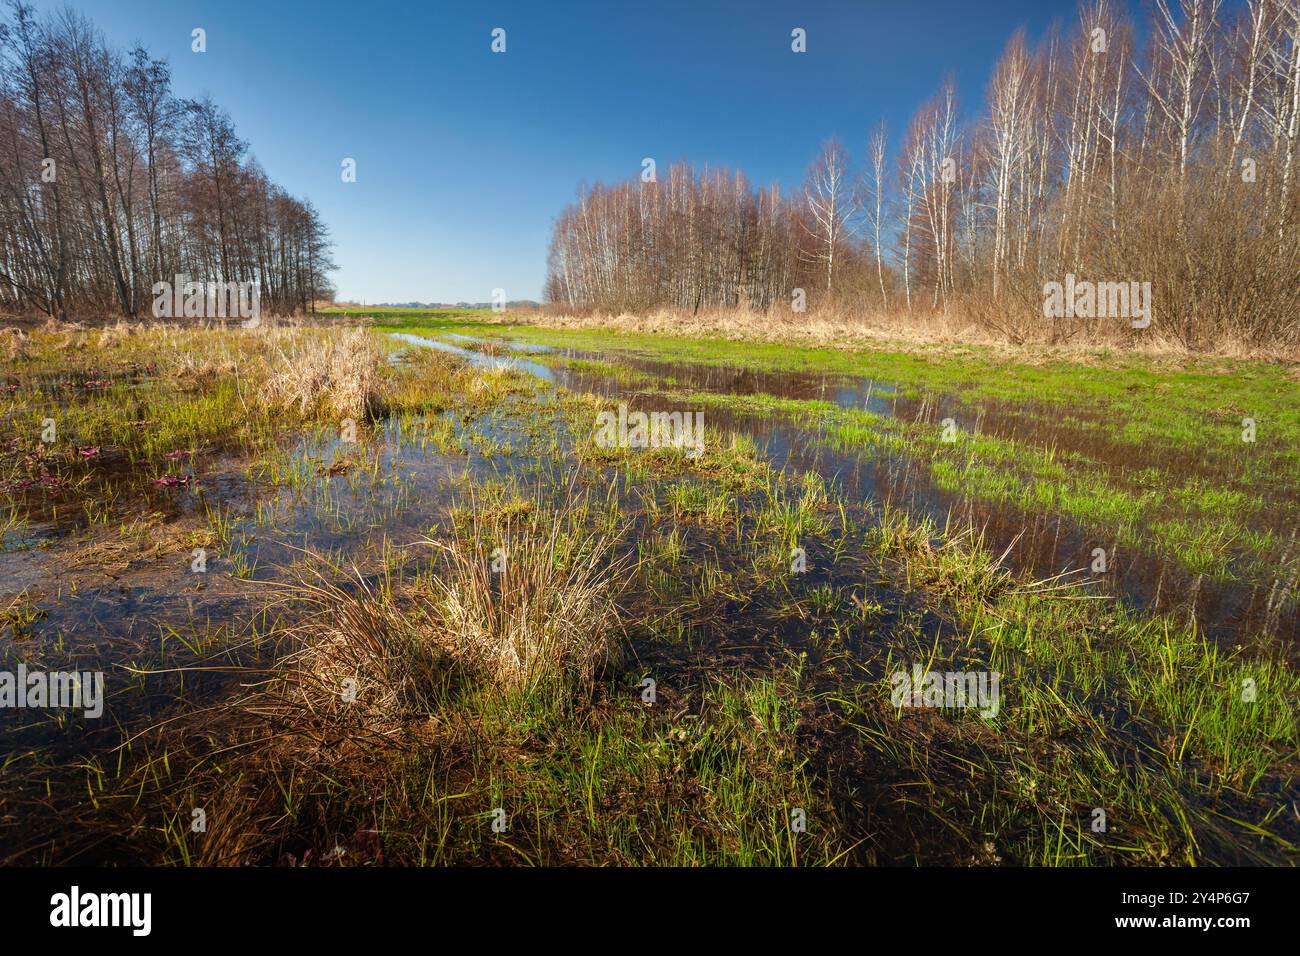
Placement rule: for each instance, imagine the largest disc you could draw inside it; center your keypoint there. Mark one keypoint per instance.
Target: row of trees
(689, 241)
(1173, 163)
(109, 184)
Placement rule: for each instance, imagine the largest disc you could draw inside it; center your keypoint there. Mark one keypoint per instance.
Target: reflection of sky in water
(1042, 542)
(514, 346)
(477, 359)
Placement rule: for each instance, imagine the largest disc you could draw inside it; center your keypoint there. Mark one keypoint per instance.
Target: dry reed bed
(842, 327)
(280, 365)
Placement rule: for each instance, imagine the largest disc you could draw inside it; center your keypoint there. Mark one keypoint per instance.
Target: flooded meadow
(375, 590)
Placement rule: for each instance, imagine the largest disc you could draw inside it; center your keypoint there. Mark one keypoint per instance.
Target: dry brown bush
(338, 373)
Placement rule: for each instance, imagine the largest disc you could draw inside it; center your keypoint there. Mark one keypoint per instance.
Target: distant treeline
(1173, 164)
(511, 304)
(687, 240)
(109, 183)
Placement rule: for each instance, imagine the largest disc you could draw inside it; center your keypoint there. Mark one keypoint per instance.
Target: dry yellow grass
(840, 327)
(541, 616)
(17, 343)
(545, 615)
(337, 372)
(359, 656)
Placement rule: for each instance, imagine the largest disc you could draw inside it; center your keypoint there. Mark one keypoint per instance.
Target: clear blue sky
(464, 157)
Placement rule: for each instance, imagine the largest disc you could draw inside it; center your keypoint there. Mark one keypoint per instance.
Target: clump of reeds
(359, 653)
(522, 602)
(529, 600)
(17, 344)
(337, 374)
(115, 334)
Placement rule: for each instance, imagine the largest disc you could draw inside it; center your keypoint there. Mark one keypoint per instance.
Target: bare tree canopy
(1171, 163)
(110, 184)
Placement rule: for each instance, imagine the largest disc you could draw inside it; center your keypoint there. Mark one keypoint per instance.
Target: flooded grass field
(384, 595)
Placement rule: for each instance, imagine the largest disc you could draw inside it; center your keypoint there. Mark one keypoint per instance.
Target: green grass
(1185, 402)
